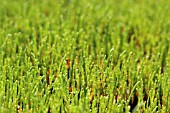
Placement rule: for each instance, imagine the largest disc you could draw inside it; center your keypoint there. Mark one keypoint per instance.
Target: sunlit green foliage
(84, 56)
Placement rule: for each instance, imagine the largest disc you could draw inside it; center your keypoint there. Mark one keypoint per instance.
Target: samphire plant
(99, 56)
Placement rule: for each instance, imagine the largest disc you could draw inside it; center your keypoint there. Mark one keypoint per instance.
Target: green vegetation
(107, 56)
